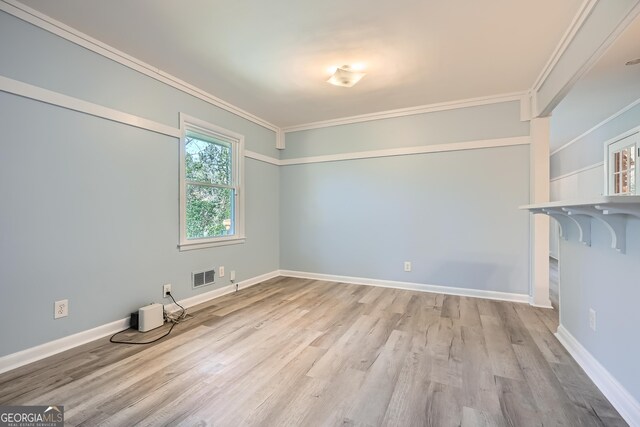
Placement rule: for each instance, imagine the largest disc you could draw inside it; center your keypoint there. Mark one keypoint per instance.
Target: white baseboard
(207, 296)
(33, 354)
(42, 351)
(620, 398)
(533, 303)
(465, 292)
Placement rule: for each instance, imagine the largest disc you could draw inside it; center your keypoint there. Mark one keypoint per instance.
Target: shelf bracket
(615, 222)
(613, 211)
(607, 210)
(584, 225)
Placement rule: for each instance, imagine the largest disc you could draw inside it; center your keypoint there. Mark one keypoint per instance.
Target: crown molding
(578, 20)
(410, 111)
(53, 26)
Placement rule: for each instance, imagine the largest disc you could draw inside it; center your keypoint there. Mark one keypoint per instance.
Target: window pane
(617, 161)
(632, 181)
(625, 182)
(616, 178)
(625, 159)
(209, 212)
(207, 161)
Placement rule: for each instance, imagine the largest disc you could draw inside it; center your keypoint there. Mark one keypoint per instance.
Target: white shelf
(612, 211)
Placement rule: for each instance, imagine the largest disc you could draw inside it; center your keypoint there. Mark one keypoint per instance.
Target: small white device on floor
(150, 317)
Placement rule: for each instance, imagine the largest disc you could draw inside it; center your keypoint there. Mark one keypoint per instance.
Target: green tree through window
(210, 194)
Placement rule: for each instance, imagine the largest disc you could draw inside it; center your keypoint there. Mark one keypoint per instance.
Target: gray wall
(598, 277)
(441, 127)
(90, 207)
(453, 214)
(589, 149)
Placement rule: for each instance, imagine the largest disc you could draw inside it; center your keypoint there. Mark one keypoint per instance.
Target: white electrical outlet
(221, 271)
(592, 319)
(166, 290)
(60, 309)
(407, 266)
(232, 275)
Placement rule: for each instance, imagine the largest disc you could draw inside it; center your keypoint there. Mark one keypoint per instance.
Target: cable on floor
(168, 317)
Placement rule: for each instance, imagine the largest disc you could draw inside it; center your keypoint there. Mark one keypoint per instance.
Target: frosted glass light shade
(345, 76)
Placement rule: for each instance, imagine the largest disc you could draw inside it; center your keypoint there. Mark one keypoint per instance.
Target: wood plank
(309, 352)
(503, 360)
(517, 403)
(408, 403)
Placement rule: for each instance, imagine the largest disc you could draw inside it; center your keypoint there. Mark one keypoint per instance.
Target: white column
(539, 176)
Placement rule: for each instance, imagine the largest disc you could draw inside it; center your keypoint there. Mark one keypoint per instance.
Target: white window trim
(237, 141)
(632, 135)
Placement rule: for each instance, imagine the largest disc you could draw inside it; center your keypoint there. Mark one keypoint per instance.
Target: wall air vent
(203, 278)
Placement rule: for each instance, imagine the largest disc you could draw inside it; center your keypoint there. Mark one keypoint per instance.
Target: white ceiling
(271, 57)
(603, 91)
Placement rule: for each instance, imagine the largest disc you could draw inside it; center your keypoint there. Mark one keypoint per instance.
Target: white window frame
(628, 139)
(188, 123)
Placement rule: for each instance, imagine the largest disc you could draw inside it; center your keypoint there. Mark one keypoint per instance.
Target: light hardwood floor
(305, 353)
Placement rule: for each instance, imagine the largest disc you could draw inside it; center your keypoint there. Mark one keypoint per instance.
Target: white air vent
(203, 278)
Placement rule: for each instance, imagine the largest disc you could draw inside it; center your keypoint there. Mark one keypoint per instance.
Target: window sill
(211, 244)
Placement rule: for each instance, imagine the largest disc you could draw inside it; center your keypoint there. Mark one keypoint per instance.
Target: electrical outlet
(232, 275)
(166, 290)
(221, 271)
(407, 266)
(60, 309)
(592, 319)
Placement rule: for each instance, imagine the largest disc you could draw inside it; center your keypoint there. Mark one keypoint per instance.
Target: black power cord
(174, 323)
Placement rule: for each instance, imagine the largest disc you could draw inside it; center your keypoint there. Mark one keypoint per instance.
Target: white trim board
(26, 90)
(64, 101)
(49, 24)
(216, 293)
(620, 398)
(410, 111)
(596, 127)
(577, 171)
(261, 157)
(578, 20)
(421, 149)
(410, 286)
(584, 12)
(36, 93)
(33, 354)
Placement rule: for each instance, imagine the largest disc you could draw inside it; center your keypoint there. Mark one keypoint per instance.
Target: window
(211, 202)
(623, 166)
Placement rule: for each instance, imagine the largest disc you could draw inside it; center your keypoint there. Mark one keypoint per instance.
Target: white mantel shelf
(612, 211)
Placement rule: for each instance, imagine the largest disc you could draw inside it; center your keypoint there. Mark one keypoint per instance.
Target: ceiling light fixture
(633, 62)
(346, 76)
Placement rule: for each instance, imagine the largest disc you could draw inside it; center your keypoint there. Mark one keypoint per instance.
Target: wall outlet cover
(60, 309)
